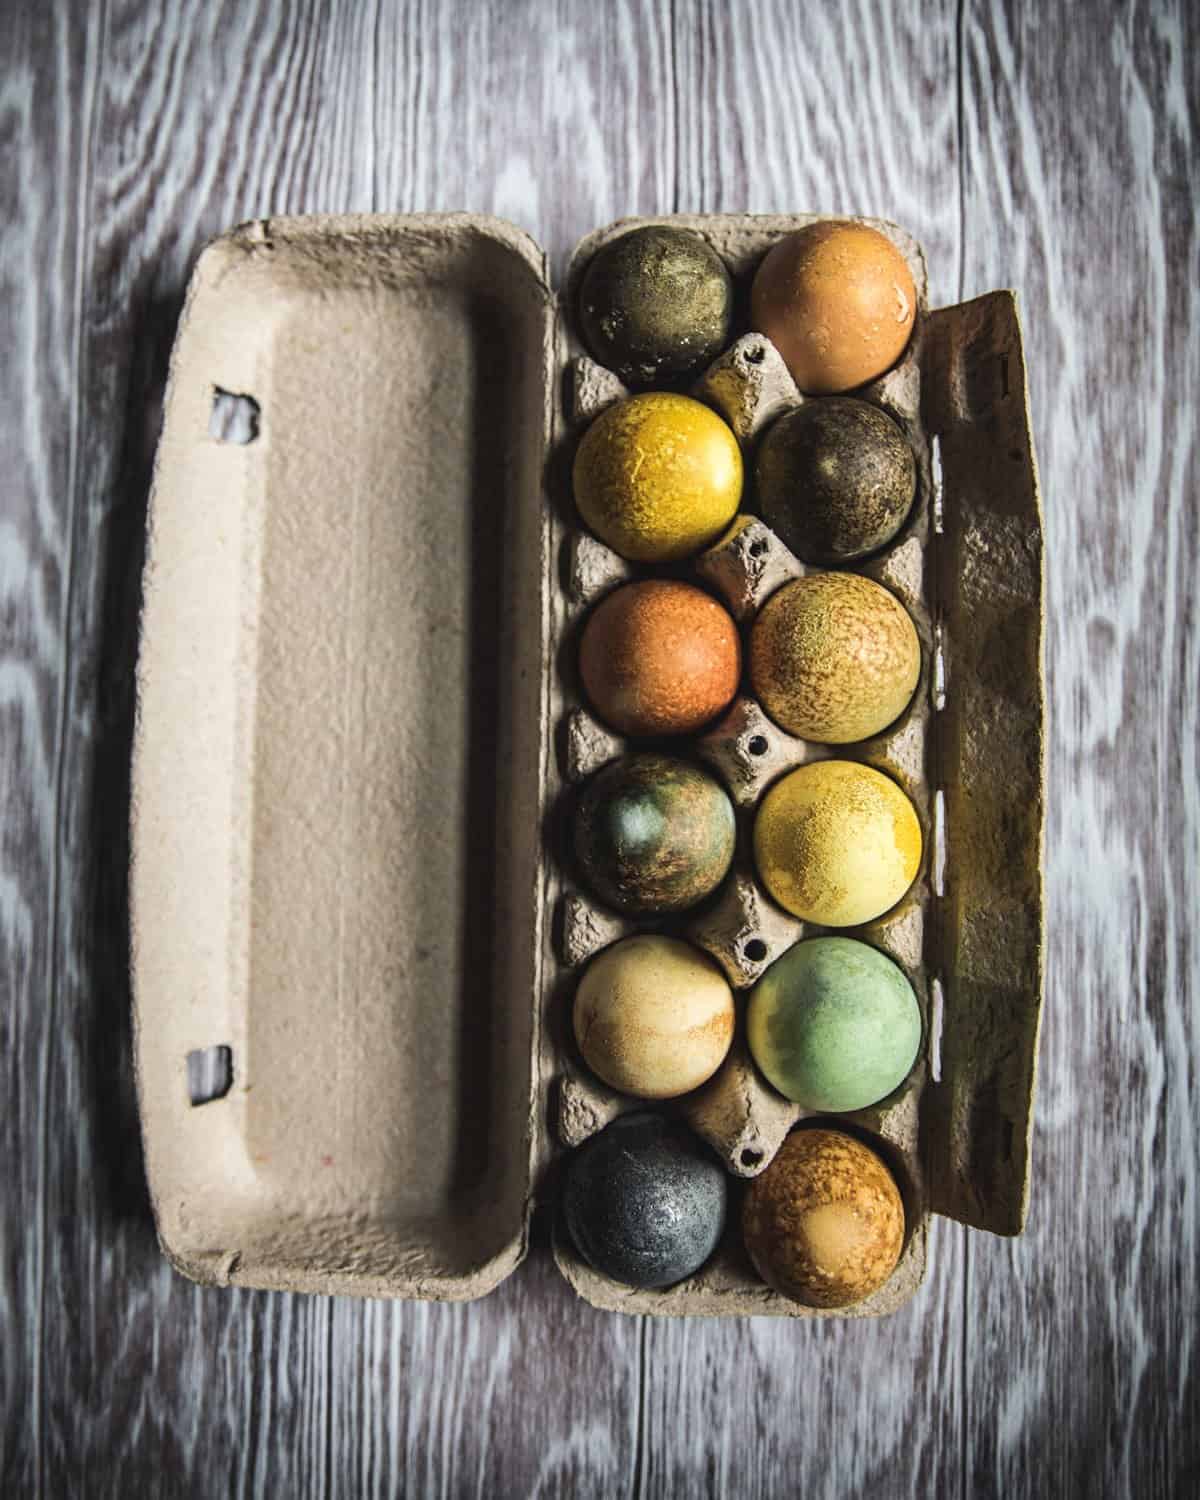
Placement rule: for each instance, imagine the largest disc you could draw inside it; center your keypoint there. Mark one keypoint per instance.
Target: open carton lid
(345, 759)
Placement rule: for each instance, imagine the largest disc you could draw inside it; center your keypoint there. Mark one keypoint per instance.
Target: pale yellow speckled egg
(658, 477)
(654, 1017)
(837, 843)
(834, 657)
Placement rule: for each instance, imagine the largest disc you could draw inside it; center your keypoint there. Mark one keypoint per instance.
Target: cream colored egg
(653, 1017)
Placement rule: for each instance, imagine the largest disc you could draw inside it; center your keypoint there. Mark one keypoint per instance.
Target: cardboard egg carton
(358, 729)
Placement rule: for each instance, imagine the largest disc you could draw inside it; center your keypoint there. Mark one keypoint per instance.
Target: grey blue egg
(645, 1201)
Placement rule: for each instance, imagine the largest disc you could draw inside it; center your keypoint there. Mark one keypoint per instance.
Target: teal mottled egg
(834, 1024)
(653, 834)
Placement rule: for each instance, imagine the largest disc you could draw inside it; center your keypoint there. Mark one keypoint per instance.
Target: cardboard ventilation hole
(358, 724)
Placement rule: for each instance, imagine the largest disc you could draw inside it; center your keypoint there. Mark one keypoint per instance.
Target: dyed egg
(653, 834)
(644, 1201)
(656, 304)
(834, 657)
(653, 1017)
(659, 657)
(834, 1024)
(824, 1224)
(837, 300)
(835, 479)
(658, 477)
(837, 843)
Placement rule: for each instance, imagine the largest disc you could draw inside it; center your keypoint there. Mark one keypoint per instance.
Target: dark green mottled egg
(836, 479)
(656, 305)
(653, 834)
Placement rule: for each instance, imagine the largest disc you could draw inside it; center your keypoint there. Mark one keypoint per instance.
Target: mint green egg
(834, 1024)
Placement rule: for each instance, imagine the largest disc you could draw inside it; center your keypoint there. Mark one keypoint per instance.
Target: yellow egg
(653, 1017)
(658, 477)
(834, 657)
(837, 843)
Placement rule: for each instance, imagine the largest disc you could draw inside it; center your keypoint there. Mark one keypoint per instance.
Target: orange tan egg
(838, 301)
(824, 1224)
(659, 657)
(834, 657)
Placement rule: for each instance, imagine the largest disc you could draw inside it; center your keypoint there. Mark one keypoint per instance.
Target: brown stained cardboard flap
(989, 598)
(339, 758)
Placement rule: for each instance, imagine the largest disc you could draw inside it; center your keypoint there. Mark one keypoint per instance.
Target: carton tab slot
(209, 1073)
(233, 418)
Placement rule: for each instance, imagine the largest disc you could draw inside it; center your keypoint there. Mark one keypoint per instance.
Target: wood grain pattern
(1022, 146)
(1091, 212)
(142, 1375)
(48, 88)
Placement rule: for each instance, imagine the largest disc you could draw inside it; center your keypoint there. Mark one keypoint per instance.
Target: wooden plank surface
(1082, 192)
(1022, 146)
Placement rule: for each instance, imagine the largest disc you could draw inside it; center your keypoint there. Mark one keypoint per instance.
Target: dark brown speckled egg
(836, 479)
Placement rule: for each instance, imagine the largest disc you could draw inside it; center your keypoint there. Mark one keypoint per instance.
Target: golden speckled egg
(837, 843)
(824, 1224)
(659, 657)
(653, 1017)
(658, 477)
(834, 657)
(838, 301)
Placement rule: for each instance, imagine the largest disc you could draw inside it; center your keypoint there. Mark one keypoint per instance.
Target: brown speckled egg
(824, 1224)
(838, 301)
(659, 657)
(834, 657)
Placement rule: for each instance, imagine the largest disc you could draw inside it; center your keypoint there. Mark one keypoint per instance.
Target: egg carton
(737, 1112)
(355, 939)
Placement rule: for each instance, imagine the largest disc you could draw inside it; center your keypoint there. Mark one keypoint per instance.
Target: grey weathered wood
(1049, 147)
(147, 1384)
(1081, 190)
(42, 282)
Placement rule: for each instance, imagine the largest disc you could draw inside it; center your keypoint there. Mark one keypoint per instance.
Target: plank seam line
(374, 132)
(960, 107)
(93, 65)
(639, 1443)
(960, 110)
(327, 1414)
(674, 60)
